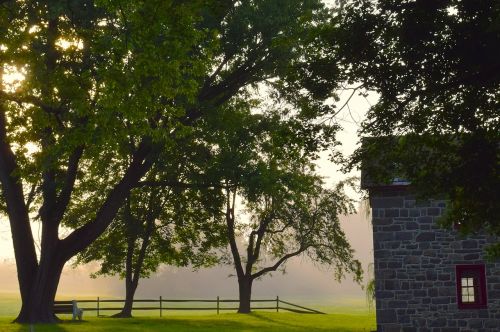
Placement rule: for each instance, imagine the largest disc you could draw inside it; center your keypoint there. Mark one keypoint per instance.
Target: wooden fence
(162, 305)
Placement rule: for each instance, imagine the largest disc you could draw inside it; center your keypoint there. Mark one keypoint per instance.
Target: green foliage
(370, 288)
(164, 226)
(436, 68)
(103, 91)
(104, 76)
(267, 161)
(116, 91)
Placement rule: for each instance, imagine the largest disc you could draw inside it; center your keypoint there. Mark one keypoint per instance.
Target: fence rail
(163, 305)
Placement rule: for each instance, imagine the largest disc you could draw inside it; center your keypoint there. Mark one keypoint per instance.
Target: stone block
(391, 228)
(386, 316)
(433, 292)
(404, 236)
(431, 275)
(440, 322)
(411, 225)
(433, 211)
(383, 236)
(387, 202)
(425, 237)
(413, 259)
(384, 294)
(409, 203)
(395, 265)
(425, 220)
(444, 277)
(469, 244)
(414, 213)
(392, 328)
(381, 221)
(440, 300)
(410, 329)
(391, 284)
(492, 323)
(475, 323)
(429, 253)
(422, 203)
(397, 304)
(391, 213)
(446, 291)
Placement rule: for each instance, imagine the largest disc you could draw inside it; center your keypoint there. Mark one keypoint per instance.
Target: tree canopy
(276, 207)
(436, 68)
(111, 88)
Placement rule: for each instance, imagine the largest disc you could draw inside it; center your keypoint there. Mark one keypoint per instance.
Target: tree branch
(231, 234)
(278, 263)
(12, 192)
(31, 195)
(69, 183)
(30, 100)
(177, 184)
(83, 236)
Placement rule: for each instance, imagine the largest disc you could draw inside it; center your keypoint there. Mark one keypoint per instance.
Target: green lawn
(259, 321)
(344, 316)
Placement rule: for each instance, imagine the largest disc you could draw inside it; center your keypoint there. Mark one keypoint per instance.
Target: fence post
(218, 304)
(98, 306)
(160, 306)
(277, 304)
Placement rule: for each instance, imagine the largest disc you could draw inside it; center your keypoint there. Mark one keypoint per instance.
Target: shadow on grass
(258, 322)
(140, 325)
(60, 327)
(278, 322)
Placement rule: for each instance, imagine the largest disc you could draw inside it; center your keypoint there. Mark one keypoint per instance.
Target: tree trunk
(38, 306)
(130, 288)
(245, 291)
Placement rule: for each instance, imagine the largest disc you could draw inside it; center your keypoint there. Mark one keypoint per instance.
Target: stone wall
(415, 267)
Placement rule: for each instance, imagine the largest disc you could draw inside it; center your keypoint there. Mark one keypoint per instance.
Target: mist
(303, 279)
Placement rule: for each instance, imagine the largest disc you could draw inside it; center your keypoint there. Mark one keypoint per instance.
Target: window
(471, 286)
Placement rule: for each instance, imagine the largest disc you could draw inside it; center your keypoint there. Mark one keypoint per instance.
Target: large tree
(110, 87)
(436, 68)
(156, 226)
(276, 208)
(171, 217)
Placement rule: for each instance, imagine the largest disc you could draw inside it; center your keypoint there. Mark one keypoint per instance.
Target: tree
(266, 163)
(156, 226)
(112, 87)
(165, 220)
(436, 68)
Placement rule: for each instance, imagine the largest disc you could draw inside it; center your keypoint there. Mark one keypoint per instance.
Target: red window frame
(477, 273)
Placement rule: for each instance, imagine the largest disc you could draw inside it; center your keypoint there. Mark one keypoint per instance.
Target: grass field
(349, 316)
(260, 321)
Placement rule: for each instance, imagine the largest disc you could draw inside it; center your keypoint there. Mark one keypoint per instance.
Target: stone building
(428, 278)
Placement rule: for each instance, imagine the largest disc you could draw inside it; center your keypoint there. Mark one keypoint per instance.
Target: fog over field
(302, 280)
